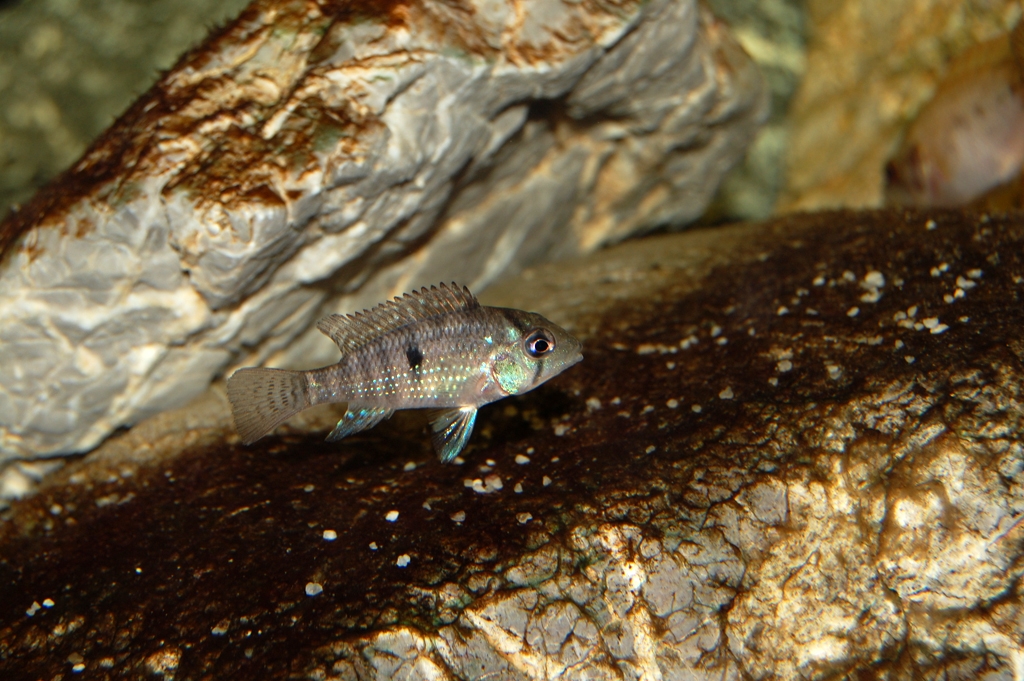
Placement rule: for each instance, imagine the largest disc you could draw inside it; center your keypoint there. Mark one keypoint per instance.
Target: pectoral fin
(357, 419)
(451, 430)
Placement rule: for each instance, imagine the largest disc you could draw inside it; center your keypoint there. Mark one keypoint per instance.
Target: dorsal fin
(352, 331)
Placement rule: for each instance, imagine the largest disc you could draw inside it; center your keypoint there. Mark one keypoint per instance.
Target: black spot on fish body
(415, 357)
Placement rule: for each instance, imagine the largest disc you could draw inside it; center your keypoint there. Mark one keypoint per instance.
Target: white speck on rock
(898, 344)
(773, 381)
(672, 404)
(853, 312)
(909, 359)
(834, 371)
(409, 466)
(696, 408)
(522, 459)
(784, 366)
(391, 516)
(941, 328)
(593, 404)
(975, 274)
(314, 589)
(524, 518)
(727, 394)
(492, 483)
(545, 481)
(783, 310)
(874, 279)
(930, 322)
(330, 535)
(561, 429)
(33, 609)
(373, 546)
(965, 284)
(650, 449)
(518, 489)
(458, 516)
(930, 225)
(403, 560)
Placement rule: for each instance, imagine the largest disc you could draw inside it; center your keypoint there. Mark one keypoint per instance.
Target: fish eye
(540, 343)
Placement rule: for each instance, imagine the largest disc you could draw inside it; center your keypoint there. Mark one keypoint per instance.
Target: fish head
(536, 350)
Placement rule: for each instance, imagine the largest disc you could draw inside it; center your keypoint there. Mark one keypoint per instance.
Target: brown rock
(871, 66)
(792, 451)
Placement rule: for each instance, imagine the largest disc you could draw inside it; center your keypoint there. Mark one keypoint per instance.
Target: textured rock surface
(871, 66)
(792, 451)
(319, 157)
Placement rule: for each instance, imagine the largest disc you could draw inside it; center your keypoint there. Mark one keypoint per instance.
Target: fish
(968, 140)
(435, 348)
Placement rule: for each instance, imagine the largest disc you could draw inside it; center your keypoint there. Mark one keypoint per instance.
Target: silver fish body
(436, 348)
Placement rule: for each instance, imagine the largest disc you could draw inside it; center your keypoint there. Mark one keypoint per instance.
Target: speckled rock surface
(792, 451)
(871, 66)
(317, 157)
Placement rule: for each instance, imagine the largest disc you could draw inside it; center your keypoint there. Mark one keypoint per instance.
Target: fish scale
(449, 357)
(435, 348)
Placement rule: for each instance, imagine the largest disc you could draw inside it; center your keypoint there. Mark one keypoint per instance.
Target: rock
(968, 140)
(314, 158)
(870, 69)
(792, 451)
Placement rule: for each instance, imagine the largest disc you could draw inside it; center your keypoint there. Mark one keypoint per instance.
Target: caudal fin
(262, 399)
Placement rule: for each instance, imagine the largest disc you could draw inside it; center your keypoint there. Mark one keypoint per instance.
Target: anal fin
(451, 429)
(357, 419)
